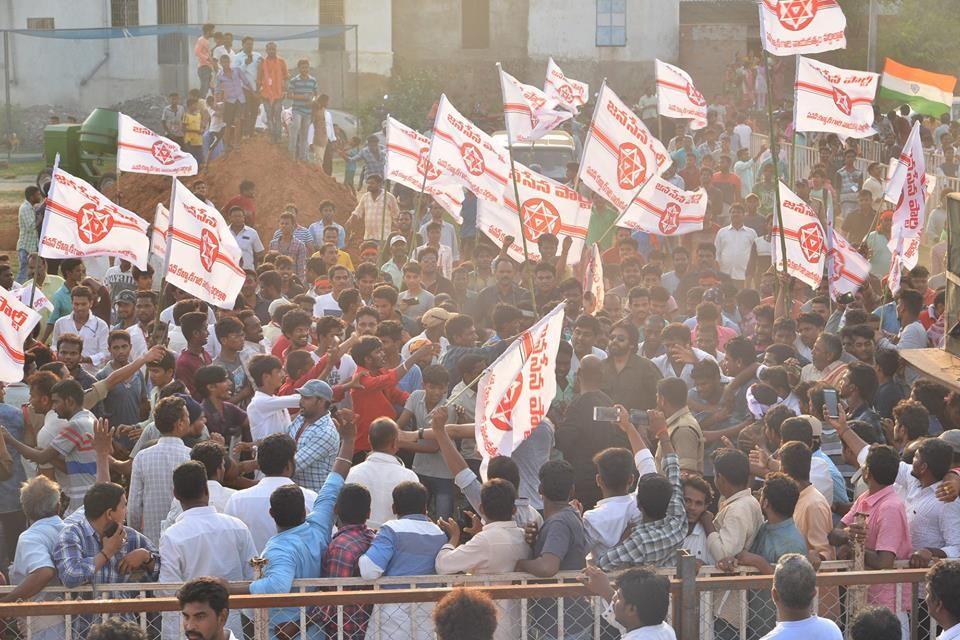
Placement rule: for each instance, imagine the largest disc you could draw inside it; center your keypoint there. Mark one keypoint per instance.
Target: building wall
(78, 74)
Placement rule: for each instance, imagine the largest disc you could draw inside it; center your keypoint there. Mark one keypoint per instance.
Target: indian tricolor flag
(928, 93)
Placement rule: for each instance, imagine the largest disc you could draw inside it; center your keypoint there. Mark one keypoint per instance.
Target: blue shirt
(407, 546)
(775, 540)
(298, 552)
(12, 418)
(412, 381)
(839, 486)
(316, 232)
(62, 304)
(888, 314)
(302, 86)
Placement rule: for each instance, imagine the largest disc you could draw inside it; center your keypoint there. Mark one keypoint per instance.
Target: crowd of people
(326, 422)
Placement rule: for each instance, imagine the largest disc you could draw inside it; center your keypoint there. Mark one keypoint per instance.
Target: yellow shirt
(192, 129)
(343, 258)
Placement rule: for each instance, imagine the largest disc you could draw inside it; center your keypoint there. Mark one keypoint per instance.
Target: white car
(552, 152)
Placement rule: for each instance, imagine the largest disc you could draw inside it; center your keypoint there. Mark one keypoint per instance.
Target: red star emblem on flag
(472, 159)
(631, 166)
(163, 152)
(842, 100)
(93, 225)
(209, 249)
(566, 93)
(795, 15)
(425, 167)
(837, 270)
(811, 241)
(502, 417)
(695, 96)
(539, 217)
(670, 219)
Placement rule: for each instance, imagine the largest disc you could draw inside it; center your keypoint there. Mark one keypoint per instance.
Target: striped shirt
(407, 546)
(151, 484)
(299, 86)
(75, 444)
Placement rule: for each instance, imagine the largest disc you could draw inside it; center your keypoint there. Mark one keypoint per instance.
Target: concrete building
(457, 40)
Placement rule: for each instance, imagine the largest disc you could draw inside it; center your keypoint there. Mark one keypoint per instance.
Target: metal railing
(805, 157)
(529, 608)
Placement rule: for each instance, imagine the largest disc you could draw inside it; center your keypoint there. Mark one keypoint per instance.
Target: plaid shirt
(342, 560)
(653, 542)
(75, 557)
(296, 250)
(27, 222)
(151, 484)
(317, 447)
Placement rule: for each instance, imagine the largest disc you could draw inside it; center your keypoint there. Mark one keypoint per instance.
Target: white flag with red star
(158, 237)
(204, 255)
(848, 269)
(806, 247)
(677, 97)
(80, 222)
(907, 188)
(593, 290)
(514, 393)
(140, 150)
(528, 112)
(407, 164)
(40, 302)
(467, 154)
(17, 320)
(834, 100)
(569, 93)
(619, 155)
(790, 27)
(546, 206)
(664, 210)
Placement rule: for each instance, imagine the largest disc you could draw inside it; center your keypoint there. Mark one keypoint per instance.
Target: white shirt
(326, 305)
(605, 523)
(686, 374)
(933, 523)
(444, 259)
(575, 361)
(912, 336)
(249, 242)
(177, 343)
(268, 414)
(222, 51)
(204, 542)
(94, 333)
(741, 136)
(252, 506)
(138, 342)
(812, 628)
(820, 477)
(733, 250)
(953, 633)
(662, 631)
(496, 549)
(218, 497)
(380, 473)
(696, 544)
(803, 350)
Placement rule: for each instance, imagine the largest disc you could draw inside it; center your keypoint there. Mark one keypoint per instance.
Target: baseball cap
(816, 425)
(397, 238)
(316, 389)
(435, 317)
(125, 296)
(952, 437)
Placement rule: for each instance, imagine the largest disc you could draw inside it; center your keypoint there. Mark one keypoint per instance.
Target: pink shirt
(887, 530)
(724, 335)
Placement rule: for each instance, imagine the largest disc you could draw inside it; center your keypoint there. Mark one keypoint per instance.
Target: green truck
(88, 150)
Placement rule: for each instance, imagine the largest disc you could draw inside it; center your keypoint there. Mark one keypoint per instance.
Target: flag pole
(775, 159)
(157, 333)
(36, 263)
(516, 197)
(793, 137)
(423, 187)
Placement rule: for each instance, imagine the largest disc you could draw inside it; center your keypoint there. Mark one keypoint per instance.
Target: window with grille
(331, 14)
(124, 13)
(475, 24)
(611, 23)
(40, 23)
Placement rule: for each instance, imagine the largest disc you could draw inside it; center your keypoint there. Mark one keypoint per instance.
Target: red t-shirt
(244, 202)
(375, 399)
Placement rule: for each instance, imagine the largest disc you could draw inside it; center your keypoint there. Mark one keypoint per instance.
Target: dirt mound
(279, 181)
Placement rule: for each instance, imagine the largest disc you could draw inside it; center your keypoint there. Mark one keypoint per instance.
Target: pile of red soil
(279, 180)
